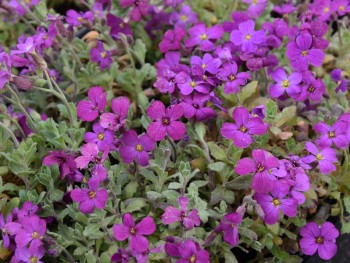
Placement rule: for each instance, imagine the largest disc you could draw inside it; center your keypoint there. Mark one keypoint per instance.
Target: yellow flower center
(4, 230)
(304, 53)
(248, 37)
(311, 89)
(103, 54)
(193, 259)
(193, 84)
(35, 235)
(255, 2)
(204, 65)
(319, 157)
(319, 240)
(139, 148)
(132, 231)
(203, 36)
(80, 19)
(276, 202)
(331, 134)
(285, 83)
(165, 121)
(92, 194)
(183, 18)
(341, 8)
(326, 9)
(231, 77)
(243, 129)
(339, 82)
(27, 2)
(121, 25)
(101, 136)
(260, 168)
(33, 259)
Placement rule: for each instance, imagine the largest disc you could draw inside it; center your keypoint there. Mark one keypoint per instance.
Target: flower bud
(210, 238)
(39, 60)
(259, 211)
(61, 28)
(241, 210)
(22, 82)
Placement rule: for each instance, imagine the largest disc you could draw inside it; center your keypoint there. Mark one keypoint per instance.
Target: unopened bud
(241, 210)
(39, 60)
(210, 238)
(22, 82)
(259, 211)
(61, 28)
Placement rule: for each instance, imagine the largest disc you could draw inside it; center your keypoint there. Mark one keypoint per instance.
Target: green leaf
(200, 130)
(217, 152)
(248, 90)
(240, 183)
(136, 204)
(217, 167)
(140, 50)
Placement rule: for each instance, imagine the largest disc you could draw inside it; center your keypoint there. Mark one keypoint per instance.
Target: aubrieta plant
(173, 131)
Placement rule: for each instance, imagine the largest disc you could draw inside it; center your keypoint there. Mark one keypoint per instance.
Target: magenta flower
(136, 148)
(290, 83)
(142, 257)
(90, 198)
(8, 228)
(275, 202)
(32, 254)
(241, 132)
(188, 84)
(208, 63)
(233, 81)
(342, 7)
(117, 26)
(256, 7)
(229, 225)
(28, 209)
(183, 18)
(300, 184)
(247, 37)
(191, 252)
(336, 134)
(121, 256)
(301, 53)
(276, 31)
(312, 88)
(102, 137)
(165, 121)
(74, 18)
(135, 232)
(114, 121)
(100, 56)
(33, 231)
(319, 238)
(89, 110)
(90, 153)
(262, 166)
(195, 106)
(284, 9)
(189, 219)
(325, 157)
(172, 39)
(341, 83)
(24, 48)
(140, 8)
(200, 35)
(5, 74)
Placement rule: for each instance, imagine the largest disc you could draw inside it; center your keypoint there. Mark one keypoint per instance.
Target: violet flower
(102, 137)
(261, 166)
(208, 63)
(5, 75)
(276, 31)
(8, 229)
(172, 39)
(336, 134)
(301, 53)
(311, 88)
(325, 157)
(290, 83)
(200, 35)
(33, 254)
(142, 257)
(117, 26)
(189, 219)
(135, 232)
(136, 148)
(300, 184)
(24, 48)
(241, 132)
(229, 225)
(284, 9)
(256, 7)
(122, 256)
(342, 7)
(74, 18)
(195, 106)
(90, 198)
(188, 84)
(114, 121)
(165, 121)
(275, 202)
(233, 81)
(139, 8)
(33, 231)
(190, 252)
(319, 238)
(89, 110)
(101, 56)
(247, 37)
(341, 83)
(183, 18)
(90, 153)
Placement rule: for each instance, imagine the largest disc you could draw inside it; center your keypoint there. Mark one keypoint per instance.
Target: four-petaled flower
(289, 84)
(229, 225)
(325, 157)
(89, 110)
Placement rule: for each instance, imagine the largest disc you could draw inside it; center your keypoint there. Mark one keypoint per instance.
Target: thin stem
(13, 137)
(339, 35)
(174, 149)
(238, 100)
(16, 124)
(69, 256)
(28, 11)
(72, 51)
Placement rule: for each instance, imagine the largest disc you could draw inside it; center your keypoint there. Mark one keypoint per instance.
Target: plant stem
(69, 256)
(13, 137)
(174, 149)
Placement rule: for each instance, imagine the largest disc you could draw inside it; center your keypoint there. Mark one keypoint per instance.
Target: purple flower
(190, 252)
(121, 256)
(195, 106)
(233, 81)
(116, 120)
(311, 88)
(28, 209)
(66, 164)
(90, 153)
(142, 257)
(264, 167)
(188, 84)
(229, 225)
(245, 127)
(290, 83)
(117, 26)
(259, 111)
(301, 53)
(277, 201)
(8, 228)
(300, 183)
(135, 232)
(200, 35)
(74, 18)
(342, 7)
(336, 134)
(284, 9)
(136, 148)
(325, 158)
(33, 231)
(102, 137)
(341, 83)
(5, 75)
(89, 198)
(317, 30)
(165, 121)
(246, 37)
(189, 219)
(319, 238)
(208, 63)
(100, 56)
(184, 18)
(24, 48)
(172, 39)
(31, 254)
(89, 110)
(256, 7)
(140, 8)
(276, 31)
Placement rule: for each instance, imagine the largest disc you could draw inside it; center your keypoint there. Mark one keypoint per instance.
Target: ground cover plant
(173, 131)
